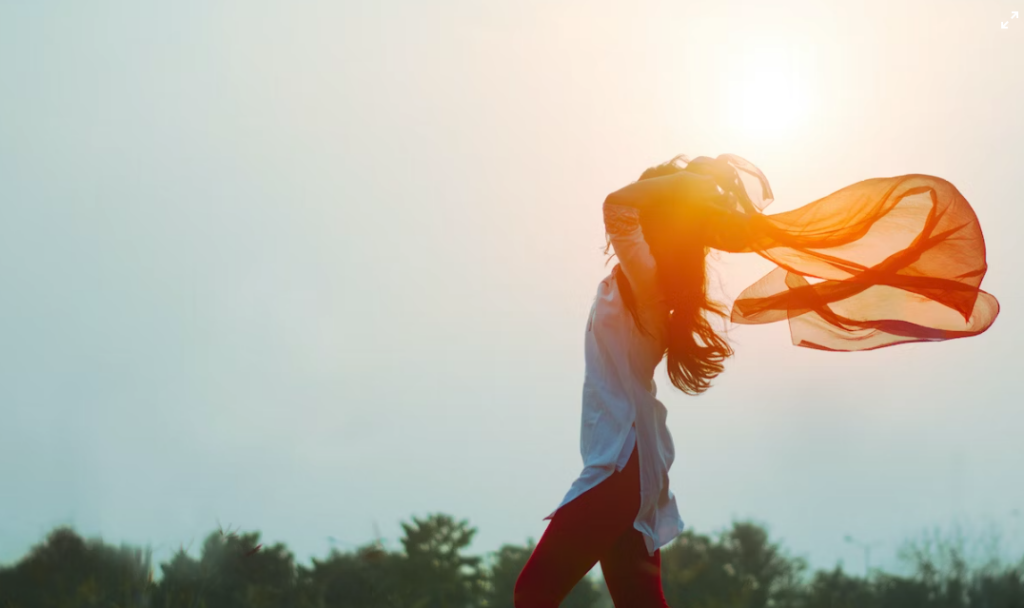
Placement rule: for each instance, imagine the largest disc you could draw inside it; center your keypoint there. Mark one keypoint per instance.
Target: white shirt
(620, 407)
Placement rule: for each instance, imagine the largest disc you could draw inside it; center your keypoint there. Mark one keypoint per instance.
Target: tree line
(738, 567)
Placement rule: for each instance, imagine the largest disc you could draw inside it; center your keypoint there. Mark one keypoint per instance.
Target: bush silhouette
(739, 567)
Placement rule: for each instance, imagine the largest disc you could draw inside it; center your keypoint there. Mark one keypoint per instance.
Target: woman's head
(695, 351)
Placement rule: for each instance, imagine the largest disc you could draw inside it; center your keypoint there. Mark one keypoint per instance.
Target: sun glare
(768, 95)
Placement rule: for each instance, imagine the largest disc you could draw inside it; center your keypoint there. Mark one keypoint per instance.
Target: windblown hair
(695, 351)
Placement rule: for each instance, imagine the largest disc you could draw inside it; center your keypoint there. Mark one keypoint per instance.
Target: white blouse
(620, 407)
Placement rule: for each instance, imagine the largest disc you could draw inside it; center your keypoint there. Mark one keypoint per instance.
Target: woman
(899, 260)
(620, 510)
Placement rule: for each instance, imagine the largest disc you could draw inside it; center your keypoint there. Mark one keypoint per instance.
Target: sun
(767, 94)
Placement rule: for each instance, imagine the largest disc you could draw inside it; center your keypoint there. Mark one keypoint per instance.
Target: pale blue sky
(302, 267)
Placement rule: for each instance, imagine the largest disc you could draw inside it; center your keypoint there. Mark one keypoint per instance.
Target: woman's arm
(696, 196)
(622, 211)
(622, 224)
(680, 188)
(692, 198)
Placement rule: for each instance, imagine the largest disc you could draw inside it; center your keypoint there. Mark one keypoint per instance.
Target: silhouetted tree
(234, 571)
(435, 573)
(900, 592)
(65, 570)
(999, 590)
(836, 589)
(739, 569)
(949, 577)
(368, 578)
(508, 563)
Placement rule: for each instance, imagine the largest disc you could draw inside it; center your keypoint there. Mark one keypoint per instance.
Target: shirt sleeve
(622, 223)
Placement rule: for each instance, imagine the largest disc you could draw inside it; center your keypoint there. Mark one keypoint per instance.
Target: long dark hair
(679, 252)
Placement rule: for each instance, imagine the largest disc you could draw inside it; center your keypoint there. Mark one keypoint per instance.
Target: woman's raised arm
(680, 188)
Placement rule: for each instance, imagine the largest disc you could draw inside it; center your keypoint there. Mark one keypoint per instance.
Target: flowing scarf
(896, 259)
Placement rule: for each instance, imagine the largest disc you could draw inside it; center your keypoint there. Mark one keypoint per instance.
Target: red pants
(595, 526)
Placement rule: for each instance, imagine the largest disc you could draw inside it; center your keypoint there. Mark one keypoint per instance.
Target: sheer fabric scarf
(899, 259)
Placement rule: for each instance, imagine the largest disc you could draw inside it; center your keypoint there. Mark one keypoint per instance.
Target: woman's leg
(577, 536)
(632, 576)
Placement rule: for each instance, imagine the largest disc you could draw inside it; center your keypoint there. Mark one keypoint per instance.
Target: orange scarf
(901, 259)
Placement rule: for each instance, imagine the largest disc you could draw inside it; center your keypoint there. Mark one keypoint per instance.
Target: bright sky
(306, 267)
